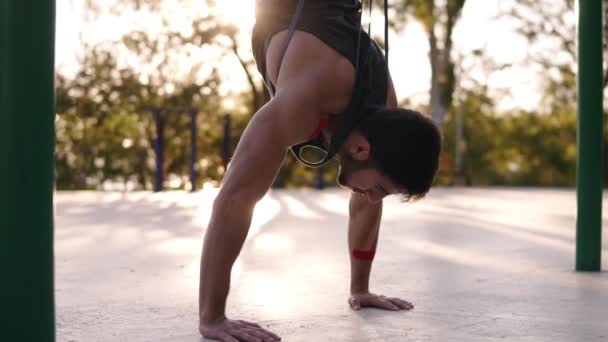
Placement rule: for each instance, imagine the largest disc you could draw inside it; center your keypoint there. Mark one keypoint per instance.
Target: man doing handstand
(330, 89)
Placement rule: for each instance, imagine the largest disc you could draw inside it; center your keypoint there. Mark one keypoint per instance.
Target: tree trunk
(257, 97)
(459, 177)
(442, 68)
(435, 109)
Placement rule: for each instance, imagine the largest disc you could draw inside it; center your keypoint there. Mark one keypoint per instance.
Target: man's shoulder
(310, 66)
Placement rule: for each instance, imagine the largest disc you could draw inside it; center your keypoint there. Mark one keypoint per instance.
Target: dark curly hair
(405, 146)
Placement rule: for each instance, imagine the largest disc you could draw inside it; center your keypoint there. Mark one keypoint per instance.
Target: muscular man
(331, 89)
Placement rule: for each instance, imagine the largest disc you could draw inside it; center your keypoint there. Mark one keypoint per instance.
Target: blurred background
(154, 95)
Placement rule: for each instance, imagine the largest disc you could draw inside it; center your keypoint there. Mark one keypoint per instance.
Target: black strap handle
(291, 30)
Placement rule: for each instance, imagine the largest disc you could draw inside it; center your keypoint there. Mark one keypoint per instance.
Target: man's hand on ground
(370, 300)
(237, 331)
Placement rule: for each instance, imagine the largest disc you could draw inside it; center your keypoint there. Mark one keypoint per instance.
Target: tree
(105, 127)
(550, 28)
(99, 136)
(438, 19)
(259, 93)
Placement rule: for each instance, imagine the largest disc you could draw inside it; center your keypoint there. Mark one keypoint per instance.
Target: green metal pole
(27, 30)
(590, 142)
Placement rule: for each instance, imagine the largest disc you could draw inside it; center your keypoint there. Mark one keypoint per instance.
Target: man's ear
(358, 146)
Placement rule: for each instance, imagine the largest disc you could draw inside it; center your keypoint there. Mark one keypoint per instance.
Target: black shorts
(336, 23)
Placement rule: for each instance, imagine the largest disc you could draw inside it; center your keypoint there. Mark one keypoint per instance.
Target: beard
(348, 166)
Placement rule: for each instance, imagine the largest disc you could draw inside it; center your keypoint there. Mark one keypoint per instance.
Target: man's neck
(334, 122)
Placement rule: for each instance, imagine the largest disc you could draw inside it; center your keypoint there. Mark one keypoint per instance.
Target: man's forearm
(225, 236)
(363, 229)
(359, 275)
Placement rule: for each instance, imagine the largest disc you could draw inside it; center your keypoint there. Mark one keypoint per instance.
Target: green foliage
(105, 123)
(439, 19)
(295, 175)
(517, 148)
(106, 130)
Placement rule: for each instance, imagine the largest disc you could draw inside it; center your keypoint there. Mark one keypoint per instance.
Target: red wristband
(363, 255)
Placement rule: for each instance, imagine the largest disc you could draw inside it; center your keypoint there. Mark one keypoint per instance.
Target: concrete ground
(478, 264)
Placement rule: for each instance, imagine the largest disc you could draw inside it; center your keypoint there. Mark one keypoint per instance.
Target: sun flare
(239, 12)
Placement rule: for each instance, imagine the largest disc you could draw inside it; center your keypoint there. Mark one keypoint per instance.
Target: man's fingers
(220, 336)
(227, 338)
(256, 330)
(273, 336)
(401, 304)
(256, 333)
(237, 331)
(384, 304)
(409, 305)
(268, 333)
(250, 324)
(264, 335)
(378, 301)
(244, 336)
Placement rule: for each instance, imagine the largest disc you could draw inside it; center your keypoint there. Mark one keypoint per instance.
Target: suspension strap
(292, 29)
(386, 31)
(369, 26)
(355, 107)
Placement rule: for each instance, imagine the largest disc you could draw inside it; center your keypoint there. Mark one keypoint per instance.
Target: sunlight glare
(273, 243)
(238, 12)
(299, 208)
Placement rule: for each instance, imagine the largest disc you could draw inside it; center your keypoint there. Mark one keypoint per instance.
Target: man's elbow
(230, 219)
(233, 202)
(359, 203)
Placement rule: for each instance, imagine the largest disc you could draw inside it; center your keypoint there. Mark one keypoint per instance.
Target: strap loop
(292, 29)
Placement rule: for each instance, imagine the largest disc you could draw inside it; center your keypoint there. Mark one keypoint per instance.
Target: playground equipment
(227, 141)
(27, 38)
(590, 135)
(159, 148)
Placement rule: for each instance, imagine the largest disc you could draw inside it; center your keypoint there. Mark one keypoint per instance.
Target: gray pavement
(478, 264)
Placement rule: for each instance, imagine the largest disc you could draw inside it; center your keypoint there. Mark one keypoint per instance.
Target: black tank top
(338, 24)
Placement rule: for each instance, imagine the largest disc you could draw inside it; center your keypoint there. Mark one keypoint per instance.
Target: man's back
(337, 25)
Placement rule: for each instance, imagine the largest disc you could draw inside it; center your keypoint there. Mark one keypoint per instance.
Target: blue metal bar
(590, 137)
(320, 181)
(159, 149)
(193, 152)
(226, 144)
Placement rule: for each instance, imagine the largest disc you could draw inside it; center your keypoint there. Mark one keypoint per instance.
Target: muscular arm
(254, 166)
(307, 86)
(364, 224)
(363, 230)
